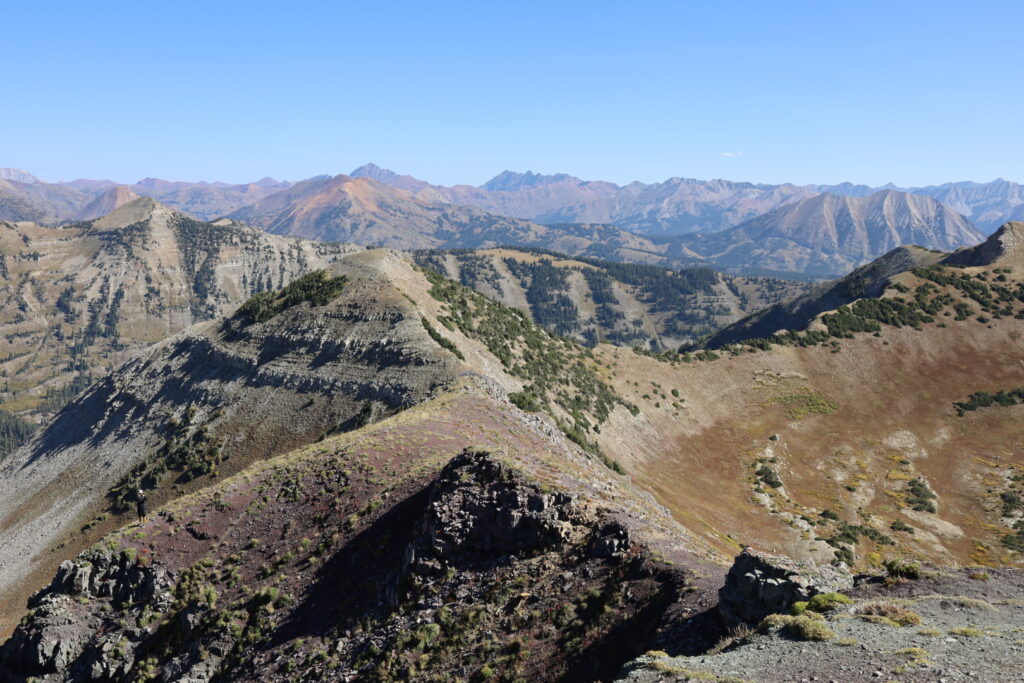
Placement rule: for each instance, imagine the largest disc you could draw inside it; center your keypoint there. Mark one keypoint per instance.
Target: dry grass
(961, 601)
(966, 632)
(891, 398)
(888, 613)
(734, 634)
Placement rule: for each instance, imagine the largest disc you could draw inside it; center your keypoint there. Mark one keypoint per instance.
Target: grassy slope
(857, 420)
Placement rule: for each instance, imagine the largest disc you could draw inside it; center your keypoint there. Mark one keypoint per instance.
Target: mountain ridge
(81, 298)
(831, 234)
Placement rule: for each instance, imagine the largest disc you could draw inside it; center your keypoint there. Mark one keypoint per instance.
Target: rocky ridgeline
(482, 561)
(70, 633)
(759, 584)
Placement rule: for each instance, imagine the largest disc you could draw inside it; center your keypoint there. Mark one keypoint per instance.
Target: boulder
(759, 584)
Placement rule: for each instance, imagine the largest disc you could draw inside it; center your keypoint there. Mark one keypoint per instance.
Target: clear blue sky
(454, 92)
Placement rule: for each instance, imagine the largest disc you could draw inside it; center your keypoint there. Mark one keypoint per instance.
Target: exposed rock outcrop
(481, 511)
(65, 636)
(759, 584)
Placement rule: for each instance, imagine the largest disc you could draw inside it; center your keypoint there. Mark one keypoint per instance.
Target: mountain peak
(135, 211)
(17, 175)
(510, 181)
(106, 202)
(374, 171)
(1004, 247)
(269, 182)
(389, 177)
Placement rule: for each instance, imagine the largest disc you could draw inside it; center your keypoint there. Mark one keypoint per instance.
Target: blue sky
(455, 92)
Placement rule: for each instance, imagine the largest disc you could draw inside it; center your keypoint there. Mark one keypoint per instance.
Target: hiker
(140, 505)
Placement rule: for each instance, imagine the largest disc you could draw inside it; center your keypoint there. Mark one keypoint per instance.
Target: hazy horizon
(914, 94)
(261, 176)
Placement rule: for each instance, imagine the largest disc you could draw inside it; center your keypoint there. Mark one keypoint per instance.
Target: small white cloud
(732, 154)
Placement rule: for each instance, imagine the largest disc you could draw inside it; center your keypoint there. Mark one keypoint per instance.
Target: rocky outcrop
(759, 584)
(482, 512)
(64, 634)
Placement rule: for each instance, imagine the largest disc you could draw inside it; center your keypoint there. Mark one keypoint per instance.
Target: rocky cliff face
(80, 299)
(71, 630)
(1004, 248)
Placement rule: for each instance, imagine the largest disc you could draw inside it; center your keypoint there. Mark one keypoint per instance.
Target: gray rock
(759, 584)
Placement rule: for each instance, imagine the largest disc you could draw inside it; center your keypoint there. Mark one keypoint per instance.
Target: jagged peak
(1004, 246)
(372, 170)
(508, 181)
(386, 176)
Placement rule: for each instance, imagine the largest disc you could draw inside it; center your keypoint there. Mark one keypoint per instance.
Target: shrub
(919, 496)
(1011, 501)
(802, 627)
(442, 341)
(900, 526)
(888, 613)
(315, 287)
(903, 569)
(769, 477)
(524, 400)
(827, 602)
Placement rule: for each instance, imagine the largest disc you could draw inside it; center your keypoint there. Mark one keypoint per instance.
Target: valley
(376, 407)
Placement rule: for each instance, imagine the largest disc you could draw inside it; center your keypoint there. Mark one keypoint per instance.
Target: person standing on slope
(140, 504)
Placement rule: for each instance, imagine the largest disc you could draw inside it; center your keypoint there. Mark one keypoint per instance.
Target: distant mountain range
(830, 234)
(366, 211)
(23, 197)
(683, 205)
(819, 230)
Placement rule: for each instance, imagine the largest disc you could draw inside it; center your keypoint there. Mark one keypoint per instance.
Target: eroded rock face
(759, 584)
(64, 632)
(481, 511)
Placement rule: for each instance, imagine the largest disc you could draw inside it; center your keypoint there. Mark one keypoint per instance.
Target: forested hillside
(629, 304)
